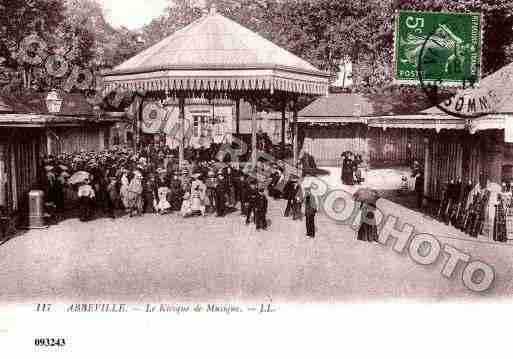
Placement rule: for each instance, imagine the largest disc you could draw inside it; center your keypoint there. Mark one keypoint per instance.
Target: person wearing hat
(252, 196)
(175, 193)
(112, 196)
(310, 211)
(229, 174)
(186, 209)
(135, 190)
(86, 199)
(197, 195)
(273, 182)
(160, 181)
(221, 193)
(294, 199)
(261, 209)
(244, 194)
(123, 191)
(58, 191)
(49, 182)
(148, 194)
(186, 181)
(211, 184)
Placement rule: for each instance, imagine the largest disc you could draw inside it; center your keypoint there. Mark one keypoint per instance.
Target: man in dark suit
(418, 173)
(229, 175)
(260, 209)
(221, 193)
(294, 199)
(310, 211)
(252, 202)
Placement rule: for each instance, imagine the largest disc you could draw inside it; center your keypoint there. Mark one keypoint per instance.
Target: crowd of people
(124, 181)
(351, 168)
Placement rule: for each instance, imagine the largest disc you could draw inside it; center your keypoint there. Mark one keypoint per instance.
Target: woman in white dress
(123, 190)
(163, 205)
(186, 209)
(198, 189)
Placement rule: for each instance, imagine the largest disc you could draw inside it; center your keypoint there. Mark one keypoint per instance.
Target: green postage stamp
(437, 47)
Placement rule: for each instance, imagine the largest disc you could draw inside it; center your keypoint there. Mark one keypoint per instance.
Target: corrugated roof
(214, 40)
(338, 105)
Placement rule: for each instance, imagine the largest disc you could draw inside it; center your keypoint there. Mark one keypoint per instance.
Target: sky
(133, 14)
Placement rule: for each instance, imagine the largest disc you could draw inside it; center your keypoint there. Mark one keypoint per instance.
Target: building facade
(28, 132)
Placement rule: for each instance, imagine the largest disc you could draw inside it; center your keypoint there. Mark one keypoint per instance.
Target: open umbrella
(366, 195)
(79, 177)
(219, 165)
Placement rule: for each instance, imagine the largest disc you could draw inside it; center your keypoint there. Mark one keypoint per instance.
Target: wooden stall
(78, 138)
(454, 155)
(395, 146)
(327, 142)
(20, 150)
(340, 122)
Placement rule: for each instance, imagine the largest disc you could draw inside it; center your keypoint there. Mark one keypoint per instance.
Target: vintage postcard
(183, 176)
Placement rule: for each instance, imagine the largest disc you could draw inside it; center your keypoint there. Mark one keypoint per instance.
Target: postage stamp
(437, 47)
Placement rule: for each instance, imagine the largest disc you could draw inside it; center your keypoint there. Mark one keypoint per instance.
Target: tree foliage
(68, 34)
(324, 32)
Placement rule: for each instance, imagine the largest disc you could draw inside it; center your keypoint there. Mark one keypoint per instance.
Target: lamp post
(53, 102)
(53, 105)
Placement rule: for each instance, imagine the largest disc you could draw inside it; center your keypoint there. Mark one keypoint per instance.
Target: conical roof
(215, 52)
(493, 96)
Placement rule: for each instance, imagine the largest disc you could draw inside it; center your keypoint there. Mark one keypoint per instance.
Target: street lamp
(53, 102)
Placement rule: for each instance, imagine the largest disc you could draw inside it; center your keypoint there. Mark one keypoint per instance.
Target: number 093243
(49, 342)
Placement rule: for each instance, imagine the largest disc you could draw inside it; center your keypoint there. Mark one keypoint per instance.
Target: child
(186, 209)
(86, 199)
(163, 204)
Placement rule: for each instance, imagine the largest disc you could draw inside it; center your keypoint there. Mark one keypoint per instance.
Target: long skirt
(86, 208)
(124, 196)
(135, 202)
(148, 202)
(368, 233)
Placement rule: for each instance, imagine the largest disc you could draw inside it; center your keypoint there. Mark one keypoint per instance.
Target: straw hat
(196, 175)
(48, 168)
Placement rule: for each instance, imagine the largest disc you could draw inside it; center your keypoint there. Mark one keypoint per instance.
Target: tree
(43, 41)
(18, 20)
